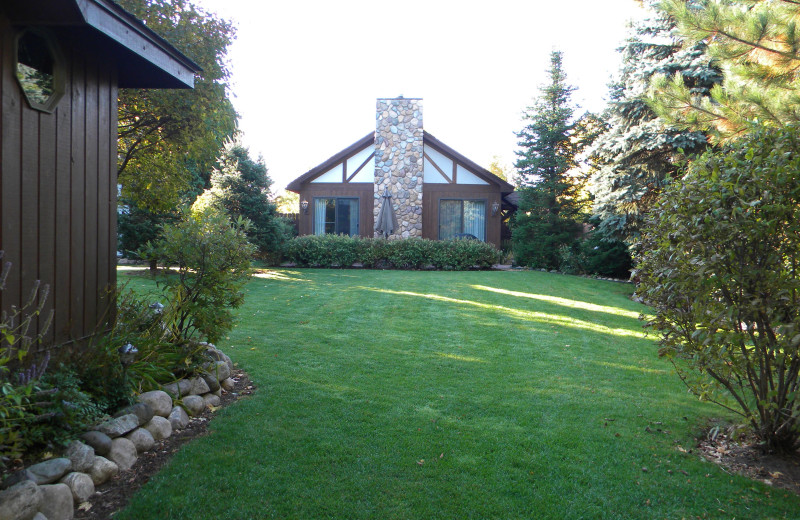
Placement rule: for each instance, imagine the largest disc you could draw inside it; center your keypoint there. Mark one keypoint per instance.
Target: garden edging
(52, 489)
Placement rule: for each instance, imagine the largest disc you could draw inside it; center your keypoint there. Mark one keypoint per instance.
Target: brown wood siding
(363, 190)
(58, 189)
(433, 193)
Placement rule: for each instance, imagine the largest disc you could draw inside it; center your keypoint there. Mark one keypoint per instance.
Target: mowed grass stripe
(390, 394)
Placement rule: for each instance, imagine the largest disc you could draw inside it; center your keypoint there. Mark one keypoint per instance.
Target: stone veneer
(398, 162)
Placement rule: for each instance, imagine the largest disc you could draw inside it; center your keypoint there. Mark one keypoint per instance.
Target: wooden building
(436, 192)
(62, 64)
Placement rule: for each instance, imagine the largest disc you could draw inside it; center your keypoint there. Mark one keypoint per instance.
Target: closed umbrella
(387, 221)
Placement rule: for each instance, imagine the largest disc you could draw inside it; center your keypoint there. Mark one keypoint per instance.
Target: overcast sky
(306, 74)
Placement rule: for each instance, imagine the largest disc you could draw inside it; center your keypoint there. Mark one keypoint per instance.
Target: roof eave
(505, 187)
(145, 59)
(297, 184)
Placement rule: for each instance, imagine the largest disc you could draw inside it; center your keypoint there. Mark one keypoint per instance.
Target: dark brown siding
(58, 189)
(363, 190)
(433, 193)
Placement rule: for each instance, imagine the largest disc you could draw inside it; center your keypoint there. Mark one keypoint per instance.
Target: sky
(306, 74)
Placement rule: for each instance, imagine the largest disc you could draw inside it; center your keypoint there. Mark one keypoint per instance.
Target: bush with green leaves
(719, 262)
(212, 258)
(412, 253)
(596, 254)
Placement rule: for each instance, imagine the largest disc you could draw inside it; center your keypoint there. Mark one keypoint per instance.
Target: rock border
(54, 488)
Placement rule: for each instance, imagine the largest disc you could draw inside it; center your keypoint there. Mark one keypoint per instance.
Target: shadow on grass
(535, 316)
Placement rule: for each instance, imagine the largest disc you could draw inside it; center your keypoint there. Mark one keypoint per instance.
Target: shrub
(212, 256)
(412, 253)
(595, 254)
(719, 263)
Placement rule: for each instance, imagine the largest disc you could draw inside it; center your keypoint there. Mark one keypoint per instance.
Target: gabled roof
(144, 59)
(359, 145)
(427, 139)
(473, 166)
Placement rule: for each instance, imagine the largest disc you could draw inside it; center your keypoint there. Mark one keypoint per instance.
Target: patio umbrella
(387, 221)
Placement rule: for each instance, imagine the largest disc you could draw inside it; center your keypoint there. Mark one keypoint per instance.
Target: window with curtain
(338, 216)
(462, 216)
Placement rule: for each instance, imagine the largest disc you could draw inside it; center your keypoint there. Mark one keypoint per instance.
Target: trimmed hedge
(412, 253)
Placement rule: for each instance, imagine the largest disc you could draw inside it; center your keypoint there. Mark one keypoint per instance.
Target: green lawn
(432, 395)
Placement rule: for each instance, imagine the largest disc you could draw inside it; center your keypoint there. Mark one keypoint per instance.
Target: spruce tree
(757, 44)
(634, 158)
(241, 186)
(550, 204)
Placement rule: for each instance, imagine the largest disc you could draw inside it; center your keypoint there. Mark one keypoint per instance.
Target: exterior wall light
(304, 206)
(495, 208)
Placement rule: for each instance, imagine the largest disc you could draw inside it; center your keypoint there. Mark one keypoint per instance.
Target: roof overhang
(297, 184)
(144, 59)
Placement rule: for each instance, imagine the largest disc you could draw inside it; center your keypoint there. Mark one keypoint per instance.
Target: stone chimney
(398, 162)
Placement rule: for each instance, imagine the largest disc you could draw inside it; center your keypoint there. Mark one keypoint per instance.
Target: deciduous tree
(166, 135)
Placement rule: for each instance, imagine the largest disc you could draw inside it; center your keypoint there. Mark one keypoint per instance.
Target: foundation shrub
(413, 253)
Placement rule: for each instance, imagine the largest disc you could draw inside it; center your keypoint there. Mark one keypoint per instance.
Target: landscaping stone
(50, 470)
(178, 418)
(228, 385)
(102, 470)
(80, 484)
(194, 404)
(39, 516)
(199, 386)
(218, 392)
(212, 382)
(142, 439)
(81, 455)
(123, 453)
(159, 428)
(56, 502)
(220, 370)
(20, 501)
(215, 354)
(178, 389)
(99, 441)
(159, 401)
(17, 477)
(119, 426)
(211, 400)
(141, 410)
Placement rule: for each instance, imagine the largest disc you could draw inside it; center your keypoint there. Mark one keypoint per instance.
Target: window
(462, 216)
(38, 70)
(337, 216)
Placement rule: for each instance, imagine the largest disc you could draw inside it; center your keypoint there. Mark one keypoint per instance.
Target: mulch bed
(113, 495)
(744, 456)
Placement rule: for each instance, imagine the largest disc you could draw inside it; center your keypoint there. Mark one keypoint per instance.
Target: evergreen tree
(241, 185)
(635, 156)
(550, 204)
(757, 44)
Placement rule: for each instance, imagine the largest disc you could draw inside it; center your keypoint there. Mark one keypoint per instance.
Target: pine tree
(550, 205)
(241, 186)
(757, 44)
(634, 158)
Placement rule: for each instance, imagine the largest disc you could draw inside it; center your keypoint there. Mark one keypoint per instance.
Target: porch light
(304, 206)
(495, 208)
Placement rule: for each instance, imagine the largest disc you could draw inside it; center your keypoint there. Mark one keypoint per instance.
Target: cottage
(62, 64)
(436, 192)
